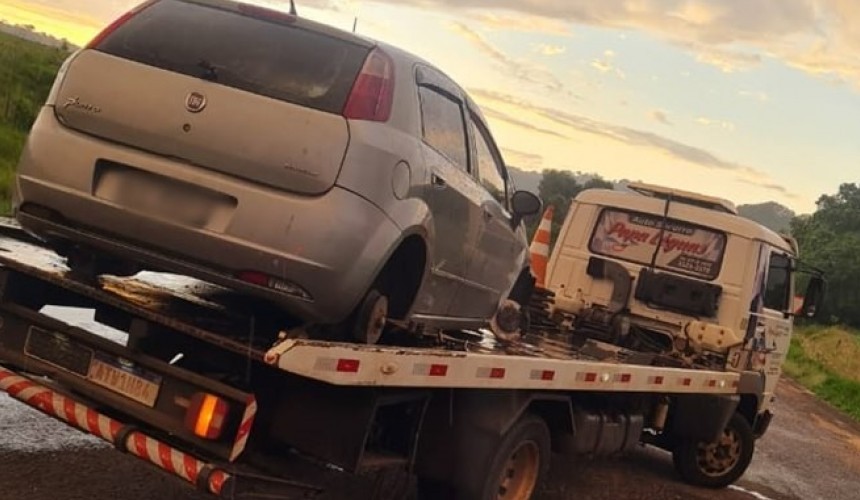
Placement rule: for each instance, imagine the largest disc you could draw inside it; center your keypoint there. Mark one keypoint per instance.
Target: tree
(558, 188)
(829, 239)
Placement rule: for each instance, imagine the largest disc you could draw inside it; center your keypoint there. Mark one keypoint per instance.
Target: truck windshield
(632, 236)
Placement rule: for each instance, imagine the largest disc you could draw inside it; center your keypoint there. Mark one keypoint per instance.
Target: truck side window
(489, 165)
(778, 286)
(444, 130)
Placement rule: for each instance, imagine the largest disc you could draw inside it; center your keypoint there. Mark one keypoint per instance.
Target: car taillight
(206, 415)
(117, 23)
(373, 91)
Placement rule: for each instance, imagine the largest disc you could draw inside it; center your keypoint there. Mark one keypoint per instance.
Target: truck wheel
(517, 466)
(719, 463)
(369, 320)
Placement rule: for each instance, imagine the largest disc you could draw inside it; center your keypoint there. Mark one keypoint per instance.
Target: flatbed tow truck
(208, 387)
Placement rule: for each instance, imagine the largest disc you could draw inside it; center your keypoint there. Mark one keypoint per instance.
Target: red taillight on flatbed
(117, 23)
(373, 91)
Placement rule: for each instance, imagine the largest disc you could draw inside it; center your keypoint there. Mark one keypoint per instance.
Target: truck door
(771, 339)
(450, 191)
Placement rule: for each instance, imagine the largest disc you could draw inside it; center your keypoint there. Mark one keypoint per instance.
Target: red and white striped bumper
(207, 477)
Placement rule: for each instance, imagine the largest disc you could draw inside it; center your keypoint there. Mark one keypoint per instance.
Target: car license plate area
(124, 377)
(113, 373)
(157, 196)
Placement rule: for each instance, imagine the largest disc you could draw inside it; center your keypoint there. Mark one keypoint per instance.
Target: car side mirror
(524, 204)
(813, 297)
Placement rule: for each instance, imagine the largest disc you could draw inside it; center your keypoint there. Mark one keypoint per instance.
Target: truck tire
(518, 464)
(719, 463)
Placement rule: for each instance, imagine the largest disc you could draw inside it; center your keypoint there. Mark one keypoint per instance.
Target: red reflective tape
(17, 387)
(138, 441)
(590, 377)
(735, 384)
(45, 401)
(658, 379)
(625, 378)
(114, 429)
(190, 464)
(347, 365)
(547, 375)
(497, 373)
(166, 458)
(712, 383)
(69, 411)
(216, 481)
(438, 370)
(93, 423)
(686, 381)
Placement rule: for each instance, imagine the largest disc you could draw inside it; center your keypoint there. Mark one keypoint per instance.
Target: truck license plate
(125, 378)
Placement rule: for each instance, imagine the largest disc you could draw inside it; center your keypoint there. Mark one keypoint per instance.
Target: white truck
(665, 322)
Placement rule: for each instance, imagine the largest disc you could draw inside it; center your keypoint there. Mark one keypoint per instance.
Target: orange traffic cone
(539, 249)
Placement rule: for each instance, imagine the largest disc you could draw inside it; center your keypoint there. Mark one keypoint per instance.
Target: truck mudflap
(126, 438)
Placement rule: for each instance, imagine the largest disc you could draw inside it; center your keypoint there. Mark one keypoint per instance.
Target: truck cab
(678, 275)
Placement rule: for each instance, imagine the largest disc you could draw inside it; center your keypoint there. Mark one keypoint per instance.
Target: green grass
(824, 360)
(27, 71)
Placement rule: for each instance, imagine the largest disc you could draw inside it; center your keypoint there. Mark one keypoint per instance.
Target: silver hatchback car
(343, 179)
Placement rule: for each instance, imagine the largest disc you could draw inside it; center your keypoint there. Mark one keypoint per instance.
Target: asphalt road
(811, 452)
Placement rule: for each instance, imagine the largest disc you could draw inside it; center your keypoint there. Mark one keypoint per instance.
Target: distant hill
(28, 32)
(769, 214)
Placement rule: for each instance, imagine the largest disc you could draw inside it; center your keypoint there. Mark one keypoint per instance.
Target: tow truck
(664, 321)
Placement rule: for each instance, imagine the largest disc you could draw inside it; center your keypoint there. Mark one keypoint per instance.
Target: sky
(750, 100)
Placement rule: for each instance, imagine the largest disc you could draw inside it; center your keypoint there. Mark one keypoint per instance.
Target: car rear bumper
(330, 245)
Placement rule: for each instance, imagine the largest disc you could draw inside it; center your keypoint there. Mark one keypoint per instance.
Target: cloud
(669, 147)
(525, 71)
(550, 50)
(499, 115)
(605, 65)
(708, 122)
(521, 159)
(521, 22)
(660, 117)
(726, 60)
(821, 37)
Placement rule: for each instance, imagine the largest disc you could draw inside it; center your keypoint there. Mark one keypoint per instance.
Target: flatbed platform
(250, 329)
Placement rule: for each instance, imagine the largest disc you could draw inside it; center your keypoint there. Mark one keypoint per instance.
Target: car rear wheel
(368, 321)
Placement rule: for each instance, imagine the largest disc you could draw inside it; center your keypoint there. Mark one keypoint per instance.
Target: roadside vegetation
(826, 360)
(27, 70)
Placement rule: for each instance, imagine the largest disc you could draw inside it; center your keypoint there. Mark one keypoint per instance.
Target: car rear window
(269, 58)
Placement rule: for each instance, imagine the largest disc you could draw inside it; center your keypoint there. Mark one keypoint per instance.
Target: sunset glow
(751, 101)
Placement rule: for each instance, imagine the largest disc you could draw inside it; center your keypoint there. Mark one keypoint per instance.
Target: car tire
(368, 322)
(719, 463)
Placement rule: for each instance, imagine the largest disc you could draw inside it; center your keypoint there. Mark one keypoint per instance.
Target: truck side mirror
(813, 297)
(524, 204)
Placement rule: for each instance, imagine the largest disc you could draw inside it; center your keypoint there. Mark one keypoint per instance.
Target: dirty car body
(276, 156)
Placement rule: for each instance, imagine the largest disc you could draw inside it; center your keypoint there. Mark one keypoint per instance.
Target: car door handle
(438, 182)
(488, 216)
